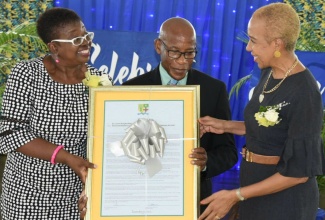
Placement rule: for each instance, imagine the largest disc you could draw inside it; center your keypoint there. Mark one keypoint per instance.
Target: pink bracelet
(55, 152)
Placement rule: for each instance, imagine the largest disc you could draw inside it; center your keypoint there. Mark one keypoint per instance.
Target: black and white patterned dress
(36, 106)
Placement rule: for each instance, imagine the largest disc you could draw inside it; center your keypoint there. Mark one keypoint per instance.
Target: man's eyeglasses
(175, 54)
(77, 40)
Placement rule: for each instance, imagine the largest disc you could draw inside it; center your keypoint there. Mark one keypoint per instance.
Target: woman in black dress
(283, 122)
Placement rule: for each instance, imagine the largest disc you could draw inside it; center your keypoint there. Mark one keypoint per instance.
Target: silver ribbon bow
(144, 139)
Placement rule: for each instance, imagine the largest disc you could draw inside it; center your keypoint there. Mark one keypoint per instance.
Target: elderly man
(176, 45)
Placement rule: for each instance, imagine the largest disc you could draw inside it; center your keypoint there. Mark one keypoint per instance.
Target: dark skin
(78, 164)
(221, 202)
(179, 35)
(82, 205)
(70, 69)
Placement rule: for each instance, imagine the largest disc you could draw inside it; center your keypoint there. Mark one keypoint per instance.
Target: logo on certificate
(143, 109)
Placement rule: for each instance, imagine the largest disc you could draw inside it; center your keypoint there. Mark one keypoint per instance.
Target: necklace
(261, 97)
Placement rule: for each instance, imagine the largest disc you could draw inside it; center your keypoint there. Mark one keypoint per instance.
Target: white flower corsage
(269, 115)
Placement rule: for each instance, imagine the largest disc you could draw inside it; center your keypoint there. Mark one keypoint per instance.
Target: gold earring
(277, 54)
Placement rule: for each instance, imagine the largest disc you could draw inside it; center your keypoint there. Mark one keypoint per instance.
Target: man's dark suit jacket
(221, 150)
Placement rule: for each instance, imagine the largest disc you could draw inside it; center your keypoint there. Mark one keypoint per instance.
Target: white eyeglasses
(77, 40)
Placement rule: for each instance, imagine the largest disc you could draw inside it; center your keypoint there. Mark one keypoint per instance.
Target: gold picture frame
(119, 189)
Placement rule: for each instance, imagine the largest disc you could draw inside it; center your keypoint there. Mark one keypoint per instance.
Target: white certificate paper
(127, 187)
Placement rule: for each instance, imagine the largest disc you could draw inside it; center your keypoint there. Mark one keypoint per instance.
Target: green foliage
(238, 85)
(321, 179)
(20, 43)
(2, 89)
(242, 36)
(321, 183)
(262, 109)
(308, 41)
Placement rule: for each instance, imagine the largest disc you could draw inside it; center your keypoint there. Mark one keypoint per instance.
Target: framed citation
(140, 138)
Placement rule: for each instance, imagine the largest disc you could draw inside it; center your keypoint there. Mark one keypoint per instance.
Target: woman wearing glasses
(176, 46)
(43, 127)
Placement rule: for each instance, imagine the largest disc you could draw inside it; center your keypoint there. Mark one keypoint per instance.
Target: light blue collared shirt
(165, 77)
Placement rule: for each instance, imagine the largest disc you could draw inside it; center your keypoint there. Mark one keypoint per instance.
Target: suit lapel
(191, 78)
(155, 77)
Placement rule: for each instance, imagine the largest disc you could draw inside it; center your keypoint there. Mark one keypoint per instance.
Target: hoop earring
(277, 54)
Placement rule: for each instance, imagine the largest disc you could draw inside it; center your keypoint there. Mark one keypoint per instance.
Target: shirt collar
(165, 77)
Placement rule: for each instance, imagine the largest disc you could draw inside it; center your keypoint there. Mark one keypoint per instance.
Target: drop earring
(55, 58)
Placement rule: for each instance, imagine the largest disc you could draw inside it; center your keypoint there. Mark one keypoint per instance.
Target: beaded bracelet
(55, 152)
